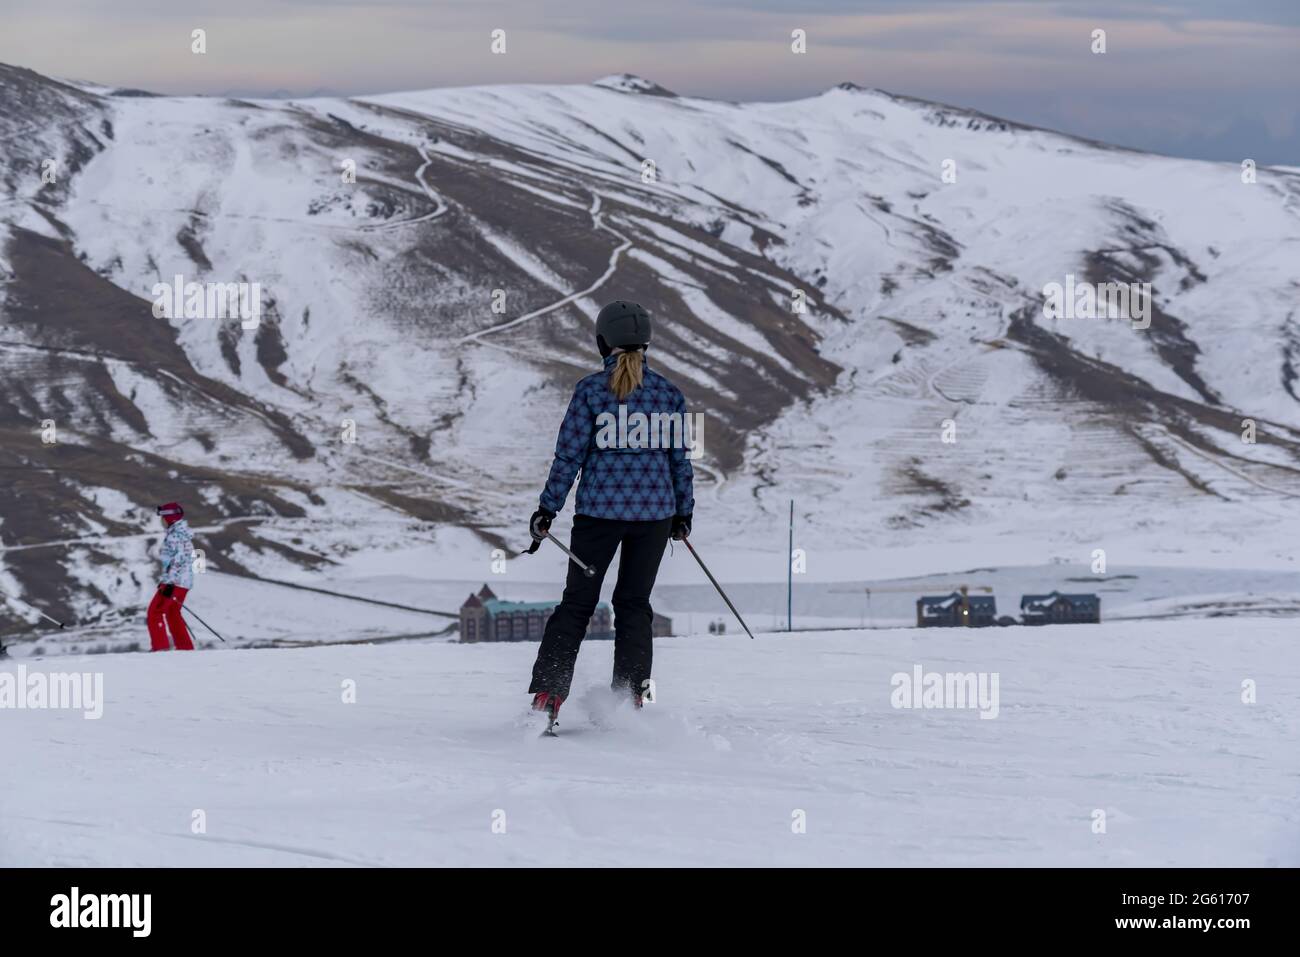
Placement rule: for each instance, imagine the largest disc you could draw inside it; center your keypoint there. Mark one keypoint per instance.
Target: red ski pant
(169, 609)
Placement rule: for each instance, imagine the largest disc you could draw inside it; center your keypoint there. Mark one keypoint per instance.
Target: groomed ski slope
(1142, 720)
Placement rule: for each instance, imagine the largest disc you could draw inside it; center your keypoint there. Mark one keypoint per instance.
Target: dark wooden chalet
(956, 611)
(1058, 609)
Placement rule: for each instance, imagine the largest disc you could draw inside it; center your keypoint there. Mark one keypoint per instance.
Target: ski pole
(588, 570)
(687, 542)
(48, 618)
(202, 622)
(39, 612)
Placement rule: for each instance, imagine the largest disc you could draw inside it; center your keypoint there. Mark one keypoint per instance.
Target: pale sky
(1204, 78)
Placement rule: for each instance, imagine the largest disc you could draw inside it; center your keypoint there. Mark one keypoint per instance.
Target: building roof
(485, 593)
(938, 602)
(1043, 600)
(495, 606)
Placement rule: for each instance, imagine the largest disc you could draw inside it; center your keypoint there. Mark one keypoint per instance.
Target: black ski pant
(595, 540)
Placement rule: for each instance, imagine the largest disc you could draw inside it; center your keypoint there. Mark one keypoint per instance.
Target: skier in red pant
(177, 580)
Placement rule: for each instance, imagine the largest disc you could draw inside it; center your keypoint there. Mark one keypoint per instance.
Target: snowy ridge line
(615, 180)
(592, 168)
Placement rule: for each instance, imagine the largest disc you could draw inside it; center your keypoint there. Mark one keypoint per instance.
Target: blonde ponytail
(626, 377)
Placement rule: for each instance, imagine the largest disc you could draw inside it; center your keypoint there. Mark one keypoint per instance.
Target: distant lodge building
(956, 611)
(485, 617)
(962, 610)
(1058, 609)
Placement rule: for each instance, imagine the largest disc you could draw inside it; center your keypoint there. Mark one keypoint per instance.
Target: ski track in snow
(1235, 472)
(440, 206)
(442, 479)
(439, 744)
(598, 223)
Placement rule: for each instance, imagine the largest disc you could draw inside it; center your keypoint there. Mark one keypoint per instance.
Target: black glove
(681, 527)
(167, 590)
(538, 526)
(540, 523)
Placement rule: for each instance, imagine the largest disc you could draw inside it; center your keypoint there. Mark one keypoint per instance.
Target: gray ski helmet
(623, 325)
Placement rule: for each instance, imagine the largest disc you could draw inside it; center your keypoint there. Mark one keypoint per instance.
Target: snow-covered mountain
(849, 287)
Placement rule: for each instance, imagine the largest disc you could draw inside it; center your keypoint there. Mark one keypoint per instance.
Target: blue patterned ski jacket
(178, 555)
(624, 480)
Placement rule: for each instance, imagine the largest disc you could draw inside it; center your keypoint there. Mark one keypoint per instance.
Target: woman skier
(633, 493)
(177, 580)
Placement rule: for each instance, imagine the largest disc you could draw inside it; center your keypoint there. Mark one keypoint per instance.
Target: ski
(549, 704)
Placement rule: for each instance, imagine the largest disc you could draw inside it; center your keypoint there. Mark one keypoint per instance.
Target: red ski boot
(549, 703)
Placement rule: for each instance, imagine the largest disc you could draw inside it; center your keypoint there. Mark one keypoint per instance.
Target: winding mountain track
(440, 205)
(598, 222)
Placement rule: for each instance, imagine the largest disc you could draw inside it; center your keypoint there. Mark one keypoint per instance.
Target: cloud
(1180, 66)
